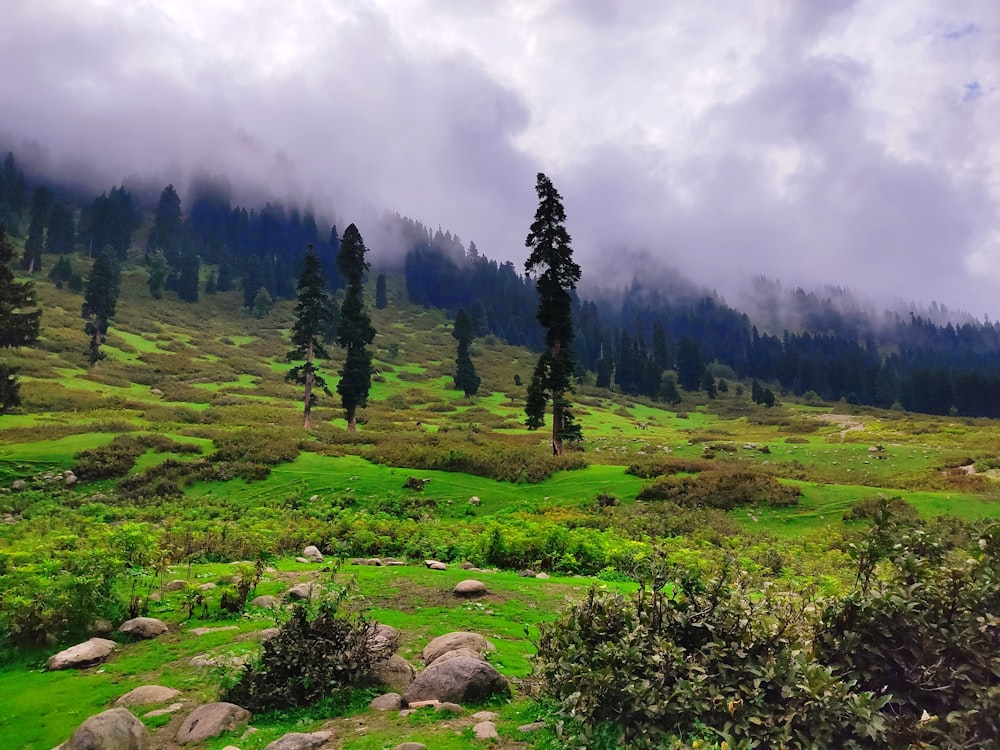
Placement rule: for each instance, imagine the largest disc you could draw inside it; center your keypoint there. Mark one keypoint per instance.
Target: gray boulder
(470, 587)
(485, 730)
(451, 641)
(457, 680)
(300, 591)
(211, 720)
(300, 741)
(460, 652)
(395, 673)
(266, 602)
(143, 627)
(386, 636)
(411, 746)
(147, 695)
(82, 655)
(387, 702)
(175, 585)
(312, 553)
(114, 729)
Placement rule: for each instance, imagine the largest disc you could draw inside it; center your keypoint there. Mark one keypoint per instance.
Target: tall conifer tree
(100, 302)
(551, 262)
(466, 378)
(19, 323)
(312, 315)
(356, 330)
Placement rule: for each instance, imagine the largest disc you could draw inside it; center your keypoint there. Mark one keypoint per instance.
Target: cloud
(846, 142)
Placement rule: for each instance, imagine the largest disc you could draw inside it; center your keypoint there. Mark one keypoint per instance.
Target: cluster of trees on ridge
(647, 342)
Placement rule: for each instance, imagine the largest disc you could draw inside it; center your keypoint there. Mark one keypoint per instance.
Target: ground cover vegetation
(810, 573)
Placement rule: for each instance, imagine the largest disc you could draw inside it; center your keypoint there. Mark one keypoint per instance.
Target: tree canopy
(312, 315)
(355, 331)
(19, 324)
(100, 302)
(466, 378)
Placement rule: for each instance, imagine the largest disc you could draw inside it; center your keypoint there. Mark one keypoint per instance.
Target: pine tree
(381, 293)
(158, 272)
(188, 276)
(41, 202)
(167, 225)
(62, 230)
(311, 321)
(466, 378)
(356, 330)
(100, 301)
(551, 259)
(19, 324)
(211, 283)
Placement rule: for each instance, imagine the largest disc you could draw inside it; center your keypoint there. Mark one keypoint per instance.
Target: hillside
(190, 457)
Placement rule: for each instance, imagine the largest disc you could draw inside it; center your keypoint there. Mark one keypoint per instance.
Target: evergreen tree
(100, 301)
(19, 323)
(62, 230)
(167, 226)
(551, 259)
(262, 303)
(224, 282)
(356, 330)
(41, 203)
(61, 272)
(211, 283)
(158, 272)
(381, 293)
(690, 364)
(466, 378)
(311, 322)
(188, 276)
(668, 388)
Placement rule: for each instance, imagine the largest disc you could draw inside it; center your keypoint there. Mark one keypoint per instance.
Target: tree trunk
(557, 414)
(352, 420)
(307, 405)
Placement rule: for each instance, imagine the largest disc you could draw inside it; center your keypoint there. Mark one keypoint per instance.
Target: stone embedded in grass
(469, 587)
(312, 553)
(114, 728)
(143, 627)
(301, 591)
(146, 695)
(395, 673)
(300, 741)
(410, 746)
(453, 641)
(211, 720)
(485, 730)
(436, 565)
(82, 655)
(457, 680)
(266, 602)
(387, 702)
(175, 585)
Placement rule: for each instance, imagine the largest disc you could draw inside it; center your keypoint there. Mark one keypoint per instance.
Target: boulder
(411, 746)
(300, 741)
(474, 500)
(485, 730)
(211, 720)
(302, 560)
(395, 673)
(114, 729)
(460, 652)
(18, 485)
(385, 636)
(266, 602)
(435, 565)
(300, 591)
(387, 702)
(526, 573)
(171, 709)
(486, 716)
(542, 575)
(143, 627)
(208, 586)
(532, 727)
(451, 641)
(312, 552)
(101, 627)
(82, 655)
(71, 480)
(470, 587)
(457, 680)
(176, 585)
(146, 695)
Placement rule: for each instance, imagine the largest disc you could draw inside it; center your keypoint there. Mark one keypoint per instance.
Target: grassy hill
(191, 457)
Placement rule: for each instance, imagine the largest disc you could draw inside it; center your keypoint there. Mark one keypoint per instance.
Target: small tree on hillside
(158, 272)
(100, 302)
(19, 324)
(311, 321)
(188, 277)
(551, 259)
(356, 330)
(41, 204)
(466, 378)
(381, 293)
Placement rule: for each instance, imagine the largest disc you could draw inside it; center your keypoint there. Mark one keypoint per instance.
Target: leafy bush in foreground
(721, 488)
(696, 657)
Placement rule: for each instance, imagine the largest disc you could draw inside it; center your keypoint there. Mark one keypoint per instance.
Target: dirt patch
(846, 422)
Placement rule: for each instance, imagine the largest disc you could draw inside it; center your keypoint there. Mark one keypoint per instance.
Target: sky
(852, 143)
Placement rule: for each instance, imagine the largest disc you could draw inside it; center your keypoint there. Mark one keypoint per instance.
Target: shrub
(313, 656)
(657, 467)
(868, 509)
(697, 655)
(721, 488)
(249, 445)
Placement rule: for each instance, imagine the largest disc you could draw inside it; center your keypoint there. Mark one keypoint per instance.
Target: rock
(387, 702)
(435, 565)
(486, 716)
(452, 708)
(485, 730)
(101, 627)
(532, 727)
(206, 661)
(395, 673)
(474, 500)
(460, 652)
(457, 680)
(156, 391)
(542, 575)
(410, 746)
(300, 591)
(82, 655)
(147, 694)
(451, 641)
(18, 485)
(467, 565)
(171, 709)
(300, 741)
(114, 729)
(177, 585)
(390, 561)
(206, 631)
(211, 720)
(267, 633)
(374, 561)
(302, 560)
(527, 573)
(312, 552)
(71, 480)
(432, 703)
(385, 636)
(469, 587)
(143, 627)
(266, 602)
(208, 586)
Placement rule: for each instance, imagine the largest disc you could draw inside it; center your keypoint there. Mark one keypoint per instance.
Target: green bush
(699, 656)
(658, 467)
(868, 509)
(255, 446)
(721, 488)
(313, 656)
